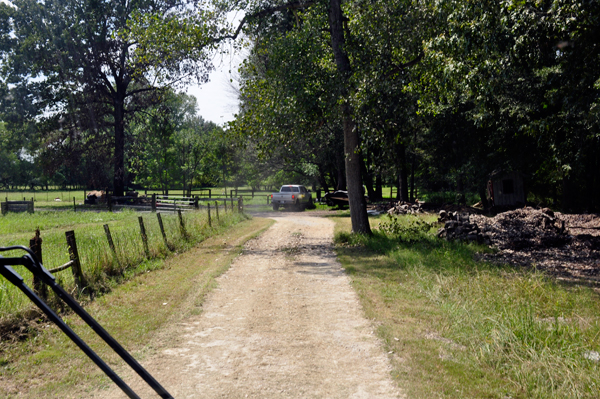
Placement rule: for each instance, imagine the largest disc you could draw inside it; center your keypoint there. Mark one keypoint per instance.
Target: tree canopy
(79, 71)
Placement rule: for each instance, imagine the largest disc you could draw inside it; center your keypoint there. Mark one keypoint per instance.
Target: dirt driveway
(284, 322)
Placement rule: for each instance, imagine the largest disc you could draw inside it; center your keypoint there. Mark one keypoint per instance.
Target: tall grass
(101, 267)
(514, 332)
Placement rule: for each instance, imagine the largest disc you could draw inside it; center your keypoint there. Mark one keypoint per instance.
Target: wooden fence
(159, 203)
(16, 206)
(74, 263)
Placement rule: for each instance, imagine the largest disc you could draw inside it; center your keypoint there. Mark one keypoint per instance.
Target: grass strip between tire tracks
(49, 365)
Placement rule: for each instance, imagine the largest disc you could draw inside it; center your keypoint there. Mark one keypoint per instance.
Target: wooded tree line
(435, 94)
(441, 92)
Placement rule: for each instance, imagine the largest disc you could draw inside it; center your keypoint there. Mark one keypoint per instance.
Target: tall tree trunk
(322, 179)
(402, 184)
(340, 172)
(402, 174)
(378, 187)
(482, 197)
(358, 206)
(412, 179)
(341, 178)
(368, 179)
(119, 155)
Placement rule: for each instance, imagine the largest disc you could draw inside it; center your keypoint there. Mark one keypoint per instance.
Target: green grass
(100, 266)
(460, 328)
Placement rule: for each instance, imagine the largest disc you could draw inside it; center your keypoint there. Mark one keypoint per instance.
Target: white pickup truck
(292, 196)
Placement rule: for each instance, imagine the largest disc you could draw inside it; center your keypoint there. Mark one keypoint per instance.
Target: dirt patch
(283, 323)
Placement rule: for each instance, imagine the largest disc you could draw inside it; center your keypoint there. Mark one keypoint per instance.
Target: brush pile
(561, 244)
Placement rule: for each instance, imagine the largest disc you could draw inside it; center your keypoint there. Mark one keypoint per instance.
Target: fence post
(111, 244)
(174, 205)
(217, 209)
(30, 208)
(144, 237)
(154, 202)
(4, 208)
(35, 244)
(109, 202)
(209, 221)
(196, 205)
(232, 205)
(181, 224)
(74, 207)
(162, 230)
(74, 255)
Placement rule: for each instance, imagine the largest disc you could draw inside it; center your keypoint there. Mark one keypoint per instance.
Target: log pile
(563, 245)
(405, 208)
(458, 226)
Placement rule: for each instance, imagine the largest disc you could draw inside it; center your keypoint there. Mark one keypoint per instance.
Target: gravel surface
(284, 322)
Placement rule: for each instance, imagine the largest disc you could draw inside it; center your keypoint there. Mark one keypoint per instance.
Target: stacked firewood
(458, 226)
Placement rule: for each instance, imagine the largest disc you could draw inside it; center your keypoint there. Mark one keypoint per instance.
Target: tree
(262, 18)
(172, 145)
(526, 70)
(289, 114)
(194, 144)
(83, 71)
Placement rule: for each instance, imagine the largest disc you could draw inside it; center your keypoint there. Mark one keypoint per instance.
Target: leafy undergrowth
(459, 328)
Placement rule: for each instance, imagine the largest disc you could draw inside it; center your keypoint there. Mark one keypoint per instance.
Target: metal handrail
(29, 260)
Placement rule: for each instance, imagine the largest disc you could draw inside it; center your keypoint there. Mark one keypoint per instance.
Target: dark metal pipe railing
(30, 261)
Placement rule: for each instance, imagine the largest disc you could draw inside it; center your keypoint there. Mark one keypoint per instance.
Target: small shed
(506, 188)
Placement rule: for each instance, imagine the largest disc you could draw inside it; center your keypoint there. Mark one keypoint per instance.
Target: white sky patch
(218, 99)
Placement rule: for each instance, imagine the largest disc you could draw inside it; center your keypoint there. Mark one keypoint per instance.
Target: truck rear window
(286, 189)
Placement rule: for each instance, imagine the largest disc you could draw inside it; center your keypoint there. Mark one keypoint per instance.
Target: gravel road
(284, 322)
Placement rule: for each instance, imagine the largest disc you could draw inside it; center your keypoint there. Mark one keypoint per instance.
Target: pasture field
(100, 266)
(456, 327)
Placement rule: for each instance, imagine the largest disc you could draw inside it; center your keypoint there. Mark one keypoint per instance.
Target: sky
(218, 99)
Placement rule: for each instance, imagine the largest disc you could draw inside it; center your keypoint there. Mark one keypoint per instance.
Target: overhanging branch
(296, 5)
